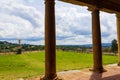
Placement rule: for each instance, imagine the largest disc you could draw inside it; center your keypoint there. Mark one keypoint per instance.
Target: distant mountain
(84, 45)
(106, 44)
(13, 47)
(103, 45)
(88, 45)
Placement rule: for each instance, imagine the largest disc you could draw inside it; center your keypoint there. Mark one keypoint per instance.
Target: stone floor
(113, 73)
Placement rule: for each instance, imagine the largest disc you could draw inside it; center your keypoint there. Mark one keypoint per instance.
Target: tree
(114, 46)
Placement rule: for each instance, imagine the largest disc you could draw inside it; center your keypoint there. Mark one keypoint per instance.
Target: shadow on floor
(98, 76)
(114, 77)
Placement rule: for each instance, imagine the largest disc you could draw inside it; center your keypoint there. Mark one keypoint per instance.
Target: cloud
(74, 25)
(24, 19)
(20, 21)
(108, 27)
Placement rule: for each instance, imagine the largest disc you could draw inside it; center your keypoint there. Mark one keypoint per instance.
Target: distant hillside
(13, 47)
(106, 44)
(103, 45)
(87, 45)
(84, 45)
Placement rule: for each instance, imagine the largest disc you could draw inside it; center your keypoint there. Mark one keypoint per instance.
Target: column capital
(50, 1)
(93, 9)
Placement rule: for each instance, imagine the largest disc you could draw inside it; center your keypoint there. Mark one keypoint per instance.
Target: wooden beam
(110, 6)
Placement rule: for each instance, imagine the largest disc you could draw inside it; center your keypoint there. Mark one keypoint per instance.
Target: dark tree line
(14, 47)
(114, 46)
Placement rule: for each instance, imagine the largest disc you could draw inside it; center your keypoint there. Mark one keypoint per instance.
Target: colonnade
(50, 41)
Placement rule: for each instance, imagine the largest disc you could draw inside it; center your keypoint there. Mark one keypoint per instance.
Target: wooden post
(50, 41)
(118, 35)
(96, 38)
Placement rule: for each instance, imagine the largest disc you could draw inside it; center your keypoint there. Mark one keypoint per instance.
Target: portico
(110, 6)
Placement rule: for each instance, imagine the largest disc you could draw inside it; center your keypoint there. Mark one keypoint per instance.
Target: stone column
(96, 39)
(118, 35)
(50, 41)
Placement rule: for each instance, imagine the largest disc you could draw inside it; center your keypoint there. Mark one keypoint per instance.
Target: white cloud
(73, 26)
(25, 19)
(74, 23)
(108, 27)
(20, 21)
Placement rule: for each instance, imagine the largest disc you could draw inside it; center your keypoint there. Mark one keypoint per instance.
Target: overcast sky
(24, 19)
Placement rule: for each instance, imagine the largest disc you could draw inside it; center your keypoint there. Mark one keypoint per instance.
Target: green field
(28, 65)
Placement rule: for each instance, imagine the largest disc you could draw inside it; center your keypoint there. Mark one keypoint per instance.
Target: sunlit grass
(28, 65)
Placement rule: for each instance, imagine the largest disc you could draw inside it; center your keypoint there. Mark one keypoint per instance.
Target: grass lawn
(28, 65)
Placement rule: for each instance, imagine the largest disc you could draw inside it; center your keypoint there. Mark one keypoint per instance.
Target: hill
(12, 47)
(103, 45)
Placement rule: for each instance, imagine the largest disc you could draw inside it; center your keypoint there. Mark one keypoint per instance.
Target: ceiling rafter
(111, 6)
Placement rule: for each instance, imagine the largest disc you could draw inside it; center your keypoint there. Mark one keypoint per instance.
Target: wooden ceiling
(111, 6)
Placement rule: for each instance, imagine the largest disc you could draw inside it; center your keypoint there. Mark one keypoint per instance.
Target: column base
(98, 70)
(118, 64)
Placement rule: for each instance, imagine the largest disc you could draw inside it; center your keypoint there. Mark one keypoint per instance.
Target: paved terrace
(113, 73)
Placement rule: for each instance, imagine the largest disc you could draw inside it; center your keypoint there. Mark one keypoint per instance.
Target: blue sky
(24, 19)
